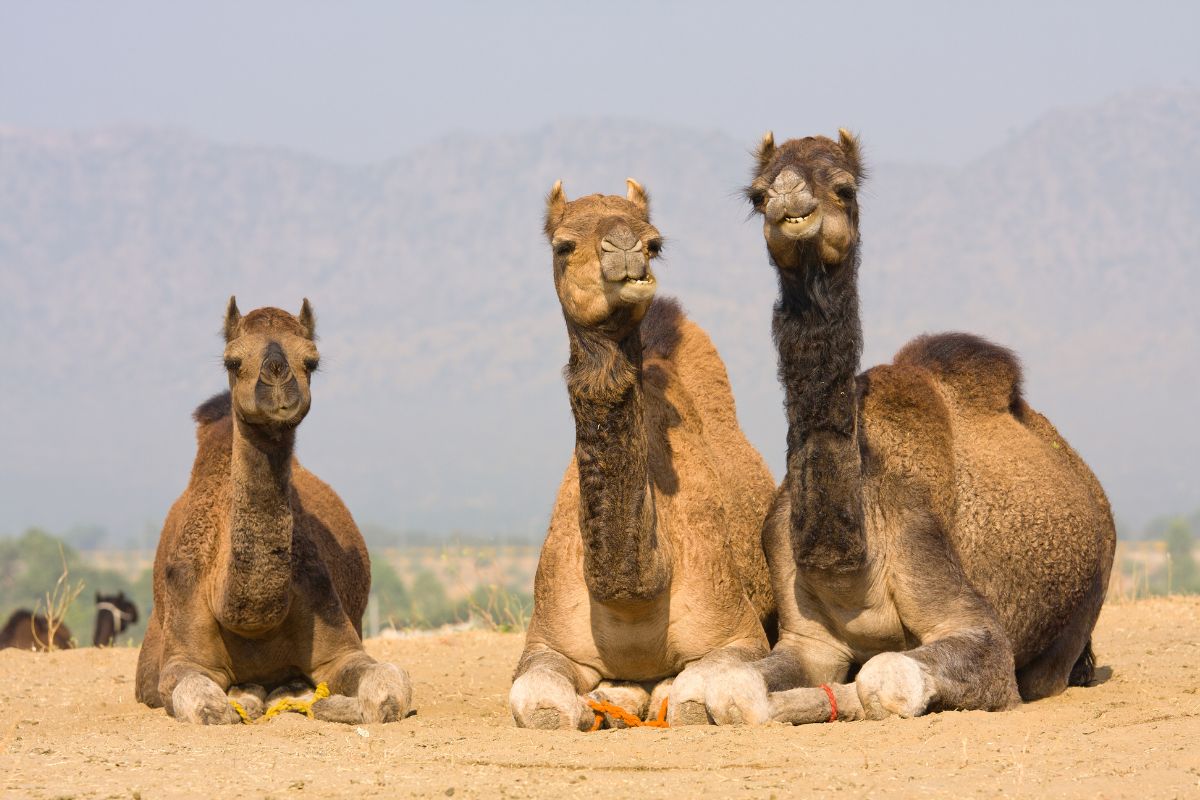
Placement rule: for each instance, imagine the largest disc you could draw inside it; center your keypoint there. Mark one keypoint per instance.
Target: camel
(651, 581)
(28, 631)
(935, 540)
(114, 613)
(261, 576)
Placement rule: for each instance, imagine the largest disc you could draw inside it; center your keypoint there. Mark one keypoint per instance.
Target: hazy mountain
(440, 405)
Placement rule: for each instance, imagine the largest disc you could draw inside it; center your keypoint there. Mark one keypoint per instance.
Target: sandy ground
(69, 727)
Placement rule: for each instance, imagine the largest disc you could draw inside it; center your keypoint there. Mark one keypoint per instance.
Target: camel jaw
(636, 290)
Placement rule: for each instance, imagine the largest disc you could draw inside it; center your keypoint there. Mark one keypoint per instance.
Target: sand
(69, 727)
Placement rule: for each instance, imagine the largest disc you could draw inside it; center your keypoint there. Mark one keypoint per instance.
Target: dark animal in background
(25, 631)
(114, 613)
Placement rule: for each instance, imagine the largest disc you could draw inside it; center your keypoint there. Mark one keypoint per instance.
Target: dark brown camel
(114, 613)
(935, 537)
(27, 631)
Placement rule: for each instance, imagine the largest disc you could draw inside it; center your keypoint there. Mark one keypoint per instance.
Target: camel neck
(625, 560)
(819, 336)
(255, 590)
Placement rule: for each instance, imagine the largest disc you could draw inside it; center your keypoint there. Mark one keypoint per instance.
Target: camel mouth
(800, 227)
(636, 290)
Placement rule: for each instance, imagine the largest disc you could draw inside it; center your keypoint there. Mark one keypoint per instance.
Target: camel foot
(198, 700)
(384, 693)
(251, 697)
(546, 700)
(724, 692)
(893, 683)
(630, 697)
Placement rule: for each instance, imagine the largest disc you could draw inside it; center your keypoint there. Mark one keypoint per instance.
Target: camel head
(270, 356)
(807, 193)
(603, 246)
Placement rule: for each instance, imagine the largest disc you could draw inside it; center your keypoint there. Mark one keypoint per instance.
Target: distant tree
(1181, 542)
(389, 591)
(431, 606)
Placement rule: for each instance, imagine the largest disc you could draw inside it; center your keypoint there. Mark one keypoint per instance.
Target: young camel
(933, 532)
(261, 576)
(651, 569)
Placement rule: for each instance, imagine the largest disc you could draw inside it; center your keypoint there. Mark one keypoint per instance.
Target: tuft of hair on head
(556, 204)
(637, 195)
(232, 318)
(853, 152)
(308, 320)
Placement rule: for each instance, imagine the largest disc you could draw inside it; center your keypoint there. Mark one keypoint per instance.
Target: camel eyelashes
(564, 247)
(846, 192)
(233, 364)
(654, 247)
(311, 364)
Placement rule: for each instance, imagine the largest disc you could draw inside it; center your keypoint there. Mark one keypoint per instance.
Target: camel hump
(981, 373)
(213, 409)
(662, 327)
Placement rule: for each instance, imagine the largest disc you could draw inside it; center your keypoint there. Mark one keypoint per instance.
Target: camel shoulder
(980, 374)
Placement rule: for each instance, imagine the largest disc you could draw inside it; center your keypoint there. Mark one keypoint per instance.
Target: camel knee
(199, 700)
(546, 699)
(893, 683)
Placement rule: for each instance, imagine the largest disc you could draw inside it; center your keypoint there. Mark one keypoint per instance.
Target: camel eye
(233, 364)
(311, 364)
(845, 192)
(757, 197)
(654, 247)
(564, 247)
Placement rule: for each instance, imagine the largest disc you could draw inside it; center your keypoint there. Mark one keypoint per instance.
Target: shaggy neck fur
(624, 558)
(254, 591)
(817, 331)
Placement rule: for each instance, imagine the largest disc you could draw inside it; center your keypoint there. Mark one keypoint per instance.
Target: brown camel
(935, 537)
(261, 576)
(28, 631)
(651, 581)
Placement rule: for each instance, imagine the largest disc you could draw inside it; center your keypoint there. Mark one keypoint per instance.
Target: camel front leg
(546, 692)
(362, 690)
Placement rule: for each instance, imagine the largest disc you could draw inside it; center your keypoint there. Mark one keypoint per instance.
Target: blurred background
(1035, 179)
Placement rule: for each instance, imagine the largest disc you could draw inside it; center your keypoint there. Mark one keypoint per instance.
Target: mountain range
(440, 404)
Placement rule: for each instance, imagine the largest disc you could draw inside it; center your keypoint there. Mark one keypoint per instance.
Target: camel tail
(661, 327)
(213, 409)
(1084, 671)
(982, 373)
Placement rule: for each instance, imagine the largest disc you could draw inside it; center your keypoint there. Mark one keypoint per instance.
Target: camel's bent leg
(193, 694)
(383, 690)
(1068, 660)
(149, 662)
(723, 687)
(546, 692)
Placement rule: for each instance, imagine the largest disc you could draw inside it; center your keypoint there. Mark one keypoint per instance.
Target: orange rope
(602, 707)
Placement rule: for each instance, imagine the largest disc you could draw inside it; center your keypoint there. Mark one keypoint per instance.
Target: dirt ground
(69, 727)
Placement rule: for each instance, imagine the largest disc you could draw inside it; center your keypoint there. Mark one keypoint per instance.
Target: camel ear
(232, 318)
(637, 195)
(556, 203)
(308, 320)
(850, 147)
(766, 151)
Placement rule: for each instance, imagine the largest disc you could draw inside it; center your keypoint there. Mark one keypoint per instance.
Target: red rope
(832, 702)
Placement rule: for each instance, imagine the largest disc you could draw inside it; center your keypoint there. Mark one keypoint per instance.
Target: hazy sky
(362, 81)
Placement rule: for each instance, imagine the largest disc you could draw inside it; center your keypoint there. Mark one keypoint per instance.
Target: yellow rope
(286, 704)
